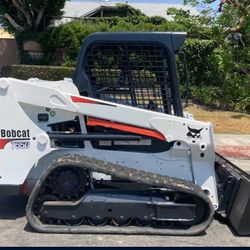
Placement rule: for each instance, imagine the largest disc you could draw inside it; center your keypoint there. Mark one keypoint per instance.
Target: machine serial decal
(194, 133)
(15, 143)
(85, 100)
(20, 139)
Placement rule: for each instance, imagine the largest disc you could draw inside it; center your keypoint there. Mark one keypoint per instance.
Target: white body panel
(16, 162)
(191, 157)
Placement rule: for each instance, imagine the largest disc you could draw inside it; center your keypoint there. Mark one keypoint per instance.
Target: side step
(238, 200)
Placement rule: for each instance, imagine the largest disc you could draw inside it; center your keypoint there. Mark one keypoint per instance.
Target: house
(106, 11)
(8, 49)
(93, 9)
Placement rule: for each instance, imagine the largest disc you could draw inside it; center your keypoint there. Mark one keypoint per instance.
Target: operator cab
(131, 68)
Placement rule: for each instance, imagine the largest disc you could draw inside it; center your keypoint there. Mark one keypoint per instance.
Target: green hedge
(233, 97)
(24, 72)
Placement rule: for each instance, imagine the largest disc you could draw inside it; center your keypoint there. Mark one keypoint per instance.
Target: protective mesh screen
(130, 74)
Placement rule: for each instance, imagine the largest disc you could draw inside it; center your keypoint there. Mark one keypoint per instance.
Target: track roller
(97, 221)
(121, 222)
(74, 222)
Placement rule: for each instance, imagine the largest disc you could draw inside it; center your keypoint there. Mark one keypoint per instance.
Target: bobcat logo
(194, 133)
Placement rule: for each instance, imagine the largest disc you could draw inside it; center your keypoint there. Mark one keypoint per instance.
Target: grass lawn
(223, 121)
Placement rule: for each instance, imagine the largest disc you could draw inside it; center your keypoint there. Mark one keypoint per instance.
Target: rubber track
(132, 174)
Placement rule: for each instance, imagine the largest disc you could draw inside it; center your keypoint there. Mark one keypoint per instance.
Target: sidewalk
(234, 147)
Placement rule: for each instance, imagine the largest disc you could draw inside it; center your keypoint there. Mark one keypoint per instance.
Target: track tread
(116, 170)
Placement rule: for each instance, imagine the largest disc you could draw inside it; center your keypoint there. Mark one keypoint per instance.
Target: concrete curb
(242, 152)
(233, 145)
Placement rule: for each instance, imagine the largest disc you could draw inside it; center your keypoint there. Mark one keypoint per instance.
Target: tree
(238, 8)
(29, 15)
(28, 18)
(197, 26)
(129, 10)
(242, 11)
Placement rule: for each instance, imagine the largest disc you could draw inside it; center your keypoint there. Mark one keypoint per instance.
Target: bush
(207, 95)
(230, 97)
(24, 72)
(71, 35)
(200, 61)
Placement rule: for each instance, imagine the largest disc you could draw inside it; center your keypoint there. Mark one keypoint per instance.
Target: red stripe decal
(123, 127)
(85, 100)
(82, 100)
(3, 142)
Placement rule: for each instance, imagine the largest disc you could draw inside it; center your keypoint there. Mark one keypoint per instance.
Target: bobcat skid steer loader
(111, 151)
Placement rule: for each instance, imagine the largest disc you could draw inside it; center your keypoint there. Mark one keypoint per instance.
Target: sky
(132, 1)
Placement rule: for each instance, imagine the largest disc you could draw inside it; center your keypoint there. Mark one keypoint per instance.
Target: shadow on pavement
(225, 221)
(12, 207)
(28, 228)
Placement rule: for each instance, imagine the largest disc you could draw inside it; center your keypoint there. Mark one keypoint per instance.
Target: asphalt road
(14, 230)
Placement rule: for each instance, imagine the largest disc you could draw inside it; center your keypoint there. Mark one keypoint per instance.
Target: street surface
(14, 230)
